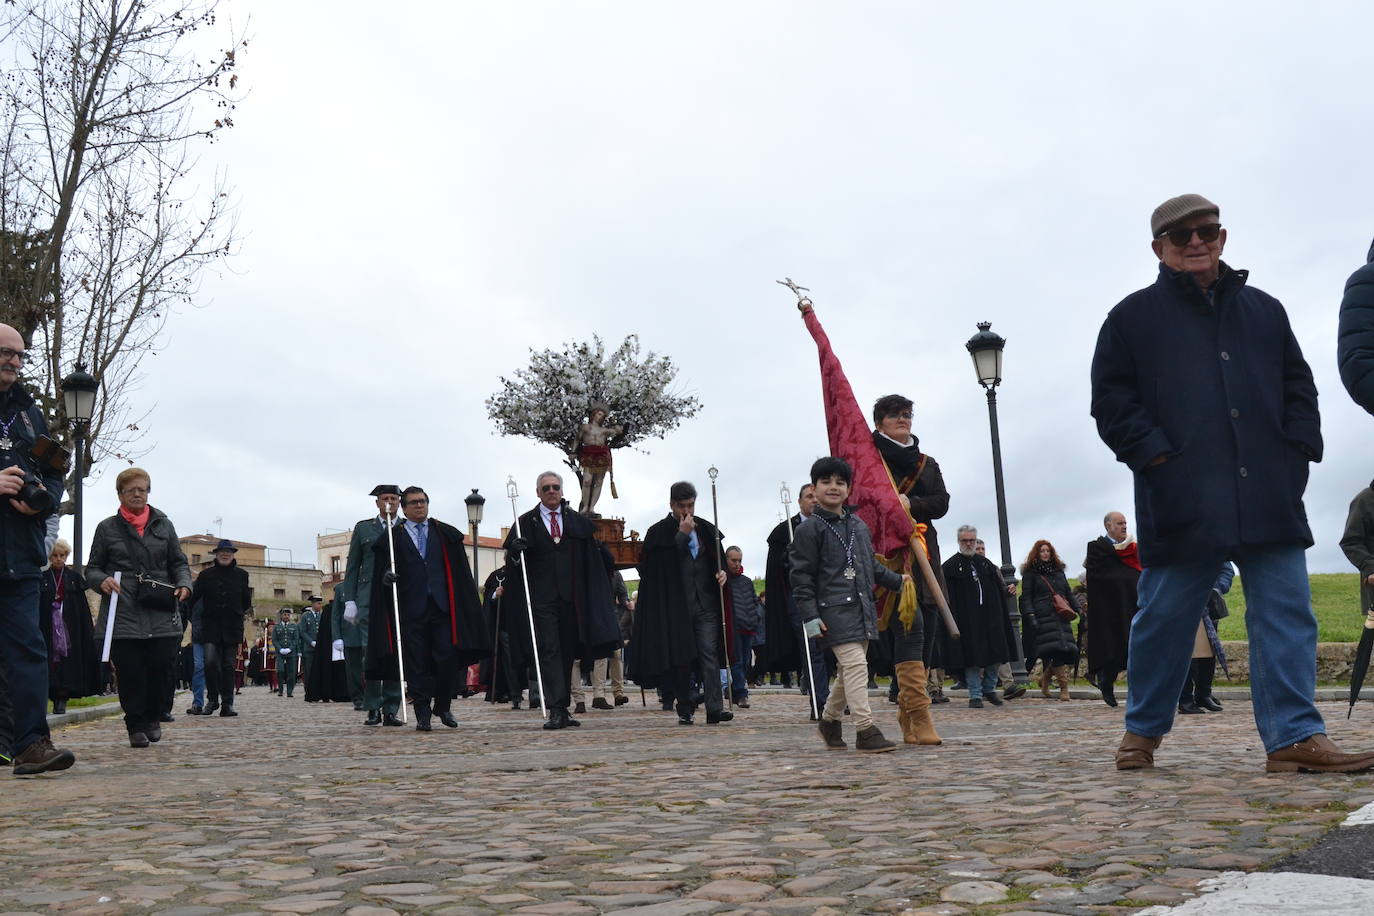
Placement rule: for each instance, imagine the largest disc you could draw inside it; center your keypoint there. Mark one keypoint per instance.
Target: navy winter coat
(1355, 339)
(1222, 389)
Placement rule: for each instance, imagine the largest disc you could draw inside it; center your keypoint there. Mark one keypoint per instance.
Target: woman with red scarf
(140, 543)
(1110, 570)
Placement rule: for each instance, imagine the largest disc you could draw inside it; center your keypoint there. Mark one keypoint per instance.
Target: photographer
(140, 542)
(27, 498)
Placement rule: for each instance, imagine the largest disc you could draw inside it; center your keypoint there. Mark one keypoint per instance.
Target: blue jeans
(24, 656)
(739, 665)
(981, 681)
(1283, 642)
(197, 674)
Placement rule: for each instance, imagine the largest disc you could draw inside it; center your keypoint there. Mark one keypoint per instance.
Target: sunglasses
(1181, 237)
(550, 488)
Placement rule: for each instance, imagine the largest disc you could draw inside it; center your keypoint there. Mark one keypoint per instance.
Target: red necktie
(553, 527)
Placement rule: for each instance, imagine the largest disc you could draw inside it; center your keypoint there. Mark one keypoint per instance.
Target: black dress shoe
(210, 708)
(558, 718)
(166, 717)
(389, 719)
(446, 717)
(1209, 702)
(569, 721)
(374, 717)
(993, 698)
(422, 725)
(1108, 693)
(684, 718)
(621, 700)
(714, 718)
(1190, 709)
(601, 703)
(227, 712)
(138, 739)
(195, 711)
(580, 709)
(154, 733)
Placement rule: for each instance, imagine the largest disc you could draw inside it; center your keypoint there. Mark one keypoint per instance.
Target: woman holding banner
(139, 568)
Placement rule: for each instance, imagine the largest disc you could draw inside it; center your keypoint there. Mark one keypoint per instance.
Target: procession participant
(286, 639)
(381, 699)
(613, 666)
(569, 575)
(65, 619)
(1112, 569)
(225, 599)
(269, 656)
(140, 543)
(747, 612)
(680, 618)
(442, 631)
(977, 600)
(782, 655)
(833, 573)
(511, 669)
(309, 626)
(328, 680)
(1200, 387)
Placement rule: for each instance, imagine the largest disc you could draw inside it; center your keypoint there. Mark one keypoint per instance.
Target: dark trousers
(430, 659)
(353, 668)
(219, 672)
(555, 623)
(169, 684)
(286, 673)
(707, 631)
(142, 665)
(24, 657)
(909, 645)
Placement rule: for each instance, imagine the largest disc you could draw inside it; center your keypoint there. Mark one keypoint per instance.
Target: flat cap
(1177, 209)
(385, 489)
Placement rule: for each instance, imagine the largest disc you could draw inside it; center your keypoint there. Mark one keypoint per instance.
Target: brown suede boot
(1045, 681)
(914, 702)
(1061, 675)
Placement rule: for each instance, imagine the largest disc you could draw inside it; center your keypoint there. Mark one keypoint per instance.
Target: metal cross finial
(512, 491)
(712, 472)
(803, 302)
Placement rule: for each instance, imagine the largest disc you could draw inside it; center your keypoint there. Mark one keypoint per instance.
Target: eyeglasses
(417, 501)
(551, 488)
(1180, 238)
(904, 415)
(6, 354)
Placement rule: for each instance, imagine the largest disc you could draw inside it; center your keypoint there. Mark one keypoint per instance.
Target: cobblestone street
(296, 807)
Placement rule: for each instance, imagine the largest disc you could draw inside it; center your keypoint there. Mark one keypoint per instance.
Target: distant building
(276, 584)
(331, 552)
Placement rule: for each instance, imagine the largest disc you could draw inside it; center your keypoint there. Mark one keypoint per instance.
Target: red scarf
(1128, 556)
(139, 521)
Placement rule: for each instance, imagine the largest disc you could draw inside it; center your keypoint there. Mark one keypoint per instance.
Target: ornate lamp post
(78, 399)
(986, 349)
(475, 501)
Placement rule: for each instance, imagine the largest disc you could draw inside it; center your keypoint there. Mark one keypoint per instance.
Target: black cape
(780, 653)
(328, 681)
(467, 629)
(663, 634)
(598, 629)
(1112, 603)
(978, 601)
(78, 674)
(497, 671)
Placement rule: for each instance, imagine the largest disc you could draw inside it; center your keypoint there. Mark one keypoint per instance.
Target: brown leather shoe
(1136, 752)
(600, 703)
(1317, 754)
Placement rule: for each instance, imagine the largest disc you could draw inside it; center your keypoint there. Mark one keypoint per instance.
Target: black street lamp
(78, 400)
(475, 501)
(986, 349)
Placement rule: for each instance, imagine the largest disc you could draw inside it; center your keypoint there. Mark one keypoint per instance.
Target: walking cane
(712, 472)
(806, 640)
(396, 611)
(514, 493)
(496, 639)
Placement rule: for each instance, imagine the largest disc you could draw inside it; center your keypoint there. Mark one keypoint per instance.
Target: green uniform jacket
(357, 583)
(287, 636)
(310, 628)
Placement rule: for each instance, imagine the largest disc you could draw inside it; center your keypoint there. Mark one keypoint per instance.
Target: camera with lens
(46, 454)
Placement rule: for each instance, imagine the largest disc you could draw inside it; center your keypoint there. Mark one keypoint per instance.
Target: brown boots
(1061, 676)
(913, 705)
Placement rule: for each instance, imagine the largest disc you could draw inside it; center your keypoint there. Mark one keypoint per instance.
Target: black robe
(78, 674)
(978, 601)
(598, 628)
(663, 634)
(497, 670)
(328, 681)
(467, 629)
(781, 654)
(1112, 603)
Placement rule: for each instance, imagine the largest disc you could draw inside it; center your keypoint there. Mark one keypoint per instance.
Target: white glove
(285, 651)
(812, 627)
(338, 654)
(350, 611)
(312, 643)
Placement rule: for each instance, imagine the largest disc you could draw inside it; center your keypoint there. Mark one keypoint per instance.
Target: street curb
(84, 714)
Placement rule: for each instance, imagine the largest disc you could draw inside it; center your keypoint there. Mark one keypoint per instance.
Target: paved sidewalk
(296, 807)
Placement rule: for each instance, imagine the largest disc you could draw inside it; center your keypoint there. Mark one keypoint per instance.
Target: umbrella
(1361, 660)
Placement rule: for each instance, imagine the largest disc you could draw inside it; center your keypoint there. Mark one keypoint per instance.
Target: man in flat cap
(1198, 385)
(381, 699)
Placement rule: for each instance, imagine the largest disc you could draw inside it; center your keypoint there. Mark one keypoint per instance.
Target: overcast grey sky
(424, 198)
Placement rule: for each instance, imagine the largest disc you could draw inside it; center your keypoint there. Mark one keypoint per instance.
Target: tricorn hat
(385, 489)
(226, 544)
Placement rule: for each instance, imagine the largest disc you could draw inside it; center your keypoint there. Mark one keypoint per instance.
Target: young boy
(832, 578)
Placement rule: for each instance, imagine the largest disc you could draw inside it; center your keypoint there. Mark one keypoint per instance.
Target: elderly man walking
(1198, 385)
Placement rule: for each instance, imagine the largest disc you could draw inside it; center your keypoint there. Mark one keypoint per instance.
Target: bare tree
(104, 229)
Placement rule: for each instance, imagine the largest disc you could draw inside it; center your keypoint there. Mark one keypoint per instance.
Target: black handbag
(156, 596)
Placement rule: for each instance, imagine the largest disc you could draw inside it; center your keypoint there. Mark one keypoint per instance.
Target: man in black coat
(569, 575)
(1199, 386)
(1355, 336)
(442, 630)
(1111, 571)
(680, 609)
(977, 599)
(225, 597)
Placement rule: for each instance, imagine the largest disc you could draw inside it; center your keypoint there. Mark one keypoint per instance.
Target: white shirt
(547, 515)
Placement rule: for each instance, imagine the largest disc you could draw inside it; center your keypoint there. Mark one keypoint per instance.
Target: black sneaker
(993, 698)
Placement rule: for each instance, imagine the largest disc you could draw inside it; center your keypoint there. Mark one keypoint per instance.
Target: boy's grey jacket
(819, 587)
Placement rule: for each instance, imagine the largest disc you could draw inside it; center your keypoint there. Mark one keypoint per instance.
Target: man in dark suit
(442, 631)
(569, 575)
